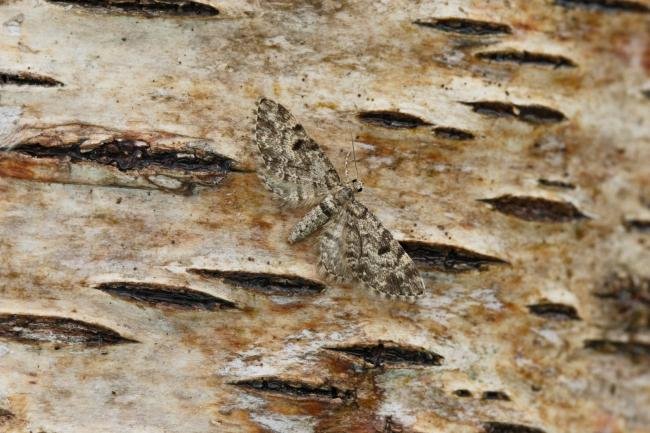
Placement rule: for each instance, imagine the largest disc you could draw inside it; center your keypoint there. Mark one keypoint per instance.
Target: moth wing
(292, 164)
(375, 258)
(333, 249)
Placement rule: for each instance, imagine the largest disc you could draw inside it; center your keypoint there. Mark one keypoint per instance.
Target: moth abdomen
(314, 219)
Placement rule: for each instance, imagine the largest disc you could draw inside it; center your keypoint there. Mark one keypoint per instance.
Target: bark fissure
(181, 8)
(25, 328)
(159, 295)
(467, 27)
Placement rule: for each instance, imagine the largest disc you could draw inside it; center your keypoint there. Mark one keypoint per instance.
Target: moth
(354, 245)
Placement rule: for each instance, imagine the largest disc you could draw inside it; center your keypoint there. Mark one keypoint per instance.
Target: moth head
(357, 185)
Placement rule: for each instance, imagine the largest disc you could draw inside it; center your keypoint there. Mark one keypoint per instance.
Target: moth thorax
(344, 194)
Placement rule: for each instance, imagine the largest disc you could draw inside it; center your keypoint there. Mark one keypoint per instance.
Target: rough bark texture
(145, 281)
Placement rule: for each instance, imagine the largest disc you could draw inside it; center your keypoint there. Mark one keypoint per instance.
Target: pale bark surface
(127, 167)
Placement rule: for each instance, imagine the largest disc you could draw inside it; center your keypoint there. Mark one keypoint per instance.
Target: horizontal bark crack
(633, 349)
(524, 57)
(556, 183)
(129, 154)
(448, 258)
(552, 310)
(534, 113)
(159, 295)
(147, 7)
(391, 119)
(495, 395)
(606, 5)
(25, 328)
(536, 208)
(637, 224)
(293, 388)
(465, 26)
(451, 133)
(503, 427)
(267, 283)
(25, 78)
(391, 353)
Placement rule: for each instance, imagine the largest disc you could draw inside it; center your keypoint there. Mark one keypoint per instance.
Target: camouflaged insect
(353, 244)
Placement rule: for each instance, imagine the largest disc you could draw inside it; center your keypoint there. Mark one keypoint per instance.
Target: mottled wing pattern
(293, 166)
(332, 249)
(358, 246)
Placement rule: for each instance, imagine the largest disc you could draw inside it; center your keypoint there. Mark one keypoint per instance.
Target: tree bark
(146, 284)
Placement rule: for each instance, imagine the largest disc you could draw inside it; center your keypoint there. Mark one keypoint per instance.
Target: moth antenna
(345, 167)
(354, 158)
